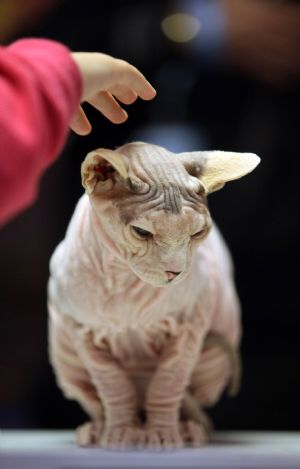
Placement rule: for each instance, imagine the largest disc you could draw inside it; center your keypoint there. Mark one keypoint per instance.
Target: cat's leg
(167, 388)
(218, 367)
(74, 380)
(195, 425)
(116, 391)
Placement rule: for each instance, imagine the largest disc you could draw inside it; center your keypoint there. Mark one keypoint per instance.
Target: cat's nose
(171, 275)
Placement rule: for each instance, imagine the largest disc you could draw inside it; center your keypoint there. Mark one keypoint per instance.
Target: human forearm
(40, 88)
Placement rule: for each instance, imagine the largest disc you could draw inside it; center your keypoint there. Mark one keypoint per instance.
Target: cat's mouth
(163, 279)
(158, 277)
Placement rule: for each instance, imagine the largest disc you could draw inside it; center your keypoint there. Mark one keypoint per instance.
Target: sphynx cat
(144, 325)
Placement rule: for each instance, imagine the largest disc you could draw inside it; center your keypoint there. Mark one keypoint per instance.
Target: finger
(80, 123)
(109, 107)
(133, 79)
(123, 94)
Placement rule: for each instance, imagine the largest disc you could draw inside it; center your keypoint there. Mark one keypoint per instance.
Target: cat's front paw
(89, 433)
(193, 434)
(160, 438)
(120, 437)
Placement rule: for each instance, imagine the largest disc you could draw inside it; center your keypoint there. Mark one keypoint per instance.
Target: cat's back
(214, 257)
(73, 234)
(66, 260)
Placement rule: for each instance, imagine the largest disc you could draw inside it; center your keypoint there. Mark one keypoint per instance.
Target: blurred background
(228, 77)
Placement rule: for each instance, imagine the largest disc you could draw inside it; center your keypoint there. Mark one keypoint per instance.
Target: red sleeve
(40, 88)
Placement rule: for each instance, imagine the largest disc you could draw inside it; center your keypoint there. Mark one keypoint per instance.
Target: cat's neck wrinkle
(104, 254)
(116, 273)
(100, 238)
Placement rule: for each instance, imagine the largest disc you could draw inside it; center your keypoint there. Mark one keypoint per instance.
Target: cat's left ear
(215, 168)
(102, 166)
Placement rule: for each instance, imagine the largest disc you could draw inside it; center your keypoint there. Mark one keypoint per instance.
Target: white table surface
(56, 450)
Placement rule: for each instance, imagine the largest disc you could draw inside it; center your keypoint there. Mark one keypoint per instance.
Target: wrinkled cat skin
(144, 320)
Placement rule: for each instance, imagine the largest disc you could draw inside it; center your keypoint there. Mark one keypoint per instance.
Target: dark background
(242, 95)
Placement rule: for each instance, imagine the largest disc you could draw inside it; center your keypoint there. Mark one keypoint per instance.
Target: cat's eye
(199, 234)
(141, 232)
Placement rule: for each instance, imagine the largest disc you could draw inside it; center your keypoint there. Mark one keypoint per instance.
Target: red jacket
(40, 88)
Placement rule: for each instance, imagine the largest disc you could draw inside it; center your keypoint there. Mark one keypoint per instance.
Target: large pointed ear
(215, 168)
(102, 168)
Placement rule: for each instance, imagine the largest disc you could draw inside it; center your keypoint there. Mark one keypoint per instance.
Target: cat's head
(153, 203)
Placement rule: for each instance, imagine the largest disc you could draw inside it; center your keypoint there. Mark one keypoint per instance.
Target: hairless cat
(144, 319)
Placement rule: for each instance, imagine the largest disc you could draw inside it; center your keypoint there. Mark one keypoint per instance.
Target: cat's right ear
(215, 168)
(101, 168)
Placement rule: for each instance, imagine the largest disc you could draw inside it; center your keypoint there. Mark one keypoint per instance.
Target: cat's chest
(135, 305)
(137, 347)
(120, 301)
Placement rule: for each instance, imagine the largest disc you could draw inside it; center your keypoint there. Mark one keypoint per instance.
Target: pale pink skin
(122, 339)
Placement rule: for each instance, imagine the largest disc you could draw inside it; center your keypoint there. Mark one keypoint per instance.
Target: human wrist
(79, 61)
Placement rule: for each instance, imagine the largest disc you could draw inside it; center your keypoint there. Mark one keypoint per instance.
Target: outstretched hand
(106, 82)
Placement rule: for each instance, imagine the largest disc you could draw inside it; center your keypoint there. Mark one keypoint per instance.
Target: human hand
(264, 39)
(106, 81)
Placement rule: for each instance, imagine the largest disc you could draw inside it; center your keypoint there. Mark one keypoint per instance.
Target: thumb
(80, 123)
